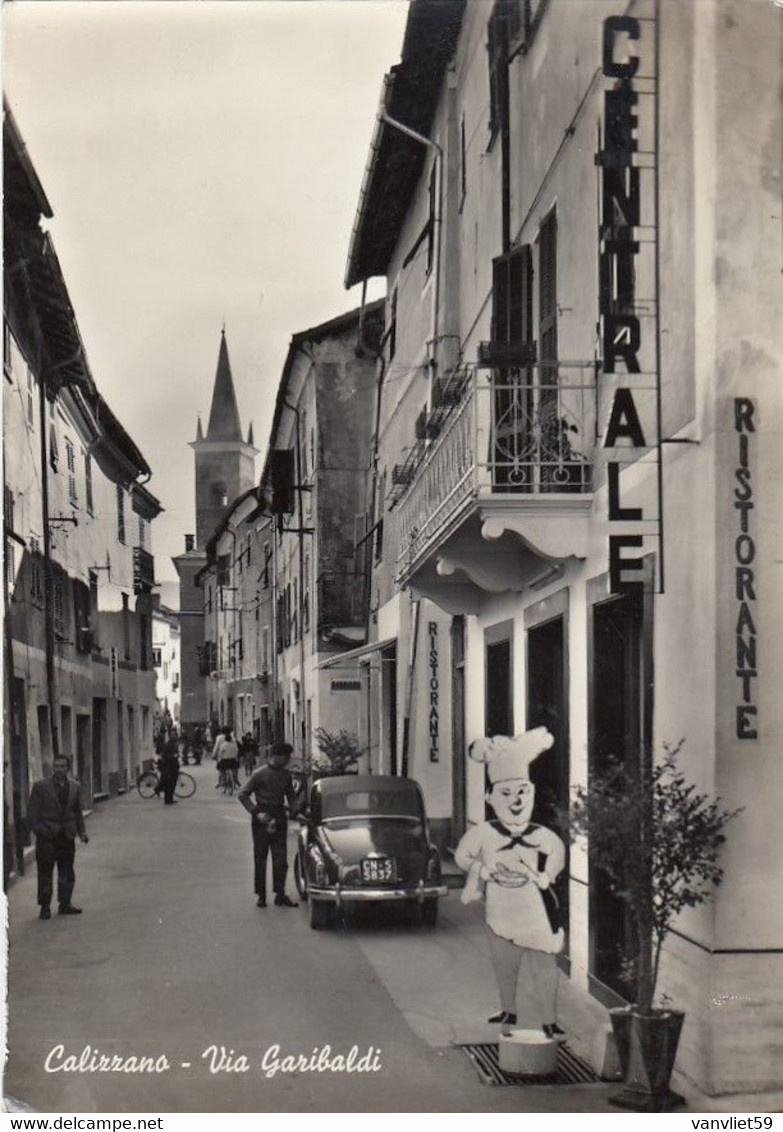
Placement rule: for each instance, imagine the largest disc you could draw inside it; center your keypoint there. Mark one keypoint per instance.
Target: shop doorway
(83, 757)
(98, 738)
(389, 710)
(20, 771)
(498, 685)
(620, 726)
(547, 706)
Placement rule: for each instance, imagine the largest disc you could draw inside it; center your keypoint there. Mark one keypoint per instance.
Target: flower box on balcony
(502, 354)
(402, 474)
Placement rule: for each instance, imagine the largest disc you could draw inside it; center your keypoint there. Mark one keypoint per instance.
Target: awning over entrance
(348, 658)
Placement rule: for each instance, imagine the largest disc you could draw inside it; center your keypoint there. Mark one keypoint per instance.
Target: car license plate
(377, 869)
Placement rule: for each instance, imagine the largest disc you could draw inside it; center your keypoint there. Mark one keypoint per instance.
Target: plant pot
(647, 1048)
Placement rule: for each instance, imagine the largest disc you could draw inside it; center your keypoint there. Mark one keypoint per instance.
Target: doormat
(571, 1070)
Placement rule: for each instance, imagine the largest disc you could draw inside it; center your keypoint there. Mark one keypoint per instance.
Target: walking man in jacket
(55, 816)
(272, 787)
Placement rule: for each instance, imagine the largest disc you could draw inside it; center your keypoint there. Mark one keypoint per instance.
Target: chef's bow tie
(516, 838)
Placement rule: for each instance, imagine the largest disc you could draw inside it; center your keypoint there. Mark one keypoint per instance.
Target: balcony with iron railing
(143, 570)
(507, 459)
(341, 599)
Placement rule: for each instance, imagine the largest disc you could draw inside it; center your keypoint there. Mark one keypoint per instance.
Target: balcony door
(512, 445)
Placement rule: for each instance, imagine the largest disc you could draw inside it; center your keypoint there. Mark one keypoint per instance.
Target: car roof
(342, 782)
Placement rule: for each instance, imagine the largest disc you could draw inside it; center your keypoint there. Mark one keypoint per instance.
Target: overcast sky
(203, 161)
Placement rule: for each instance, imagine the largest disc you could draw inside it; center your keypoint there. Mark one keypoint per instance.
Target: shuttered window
(547, 298)
(512, 296)
(497, 51)
(120, 514)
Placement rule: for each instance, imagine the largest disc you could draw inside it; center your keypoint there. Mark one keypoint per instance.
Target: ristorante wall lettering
(744, 572)
(434, 716)
(621, 329)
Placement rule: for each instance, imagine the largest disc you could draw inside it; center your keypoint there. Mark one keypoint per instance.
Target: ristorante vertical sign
(628, 350)
(744, 575)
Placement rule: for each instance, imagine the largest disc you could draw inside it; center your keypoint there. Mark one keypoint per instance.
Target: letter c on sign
(612, 28)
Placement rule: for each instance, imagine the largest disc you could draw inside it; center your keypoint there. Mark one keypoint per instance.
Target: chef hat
(508, 757)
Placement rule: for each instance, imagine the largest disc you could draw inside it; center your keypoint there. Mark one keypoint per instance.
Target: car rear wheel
(429, 912)
(301, 886)
(320, 915)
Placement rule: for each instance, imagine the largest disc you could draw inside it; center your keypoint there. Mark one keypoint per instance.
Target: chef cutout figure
(516, 863)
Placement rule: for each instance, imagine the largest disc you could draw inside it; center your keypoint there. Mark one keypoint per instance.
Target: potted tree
(339, 753)
(658, 842)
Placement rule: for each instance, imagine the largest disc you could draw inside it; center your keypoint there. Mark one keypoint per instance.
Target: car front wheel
(429, 912)
(299, 881)
(320, 915)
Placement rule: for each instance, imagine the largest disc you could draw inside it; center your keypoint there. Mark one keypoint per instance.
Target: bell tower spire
(224, 421)
(225, 462)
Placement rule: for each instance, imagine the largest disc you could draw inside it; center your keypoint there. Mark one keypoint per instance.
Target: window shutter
(512, 296)
(500, 299)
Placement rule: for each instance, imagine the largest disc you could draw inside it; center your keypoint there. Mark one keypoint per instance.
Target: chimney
(189, 542)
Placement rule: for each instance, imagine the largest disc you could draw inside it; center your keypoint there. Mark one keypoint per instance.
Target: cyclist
(227, 753)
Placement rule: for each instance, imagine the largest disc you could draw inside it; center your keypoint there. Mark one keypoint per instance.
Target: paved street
(171, 957)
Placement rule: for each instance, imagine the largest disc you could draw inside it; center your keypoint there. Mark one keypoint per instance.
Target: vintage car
(364, 838)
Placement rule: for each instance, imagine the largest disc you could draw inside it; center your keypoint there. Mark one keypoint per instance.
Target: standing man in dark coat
(169, 770)
(55, 816)
(272, 786)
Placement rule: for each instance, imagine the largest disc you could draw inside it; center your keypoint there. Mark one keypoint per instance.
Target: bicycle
(148, 784)
(228, 779)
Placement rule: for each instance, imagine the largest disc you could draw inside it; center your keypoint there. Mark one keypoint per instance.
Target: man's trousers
(263, 841)
(51, 851)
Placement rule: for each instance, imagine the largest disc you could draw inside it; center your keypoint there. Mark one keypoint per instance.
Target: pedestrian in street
(197, 745)
(169, 771)
(272, 787)
(54, 814)
(513, 863)
(249, 752)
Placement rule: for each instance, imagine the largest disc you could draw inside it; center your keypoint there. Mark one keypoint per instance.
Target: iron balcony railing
(143, 570)
(504, 438)
(341, 600)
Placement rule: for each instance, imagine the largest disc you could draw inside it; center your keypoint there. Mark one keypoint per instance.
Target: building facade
(79, 572)
(576, 481)
(224, 470)
(315, 480)
(236, 585)
(166, 662)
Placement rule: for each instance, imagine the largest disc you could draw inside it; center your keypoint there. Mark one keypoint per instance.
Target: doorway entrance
(547, 706)
(98, 738)
(498, 685)
(389, 710)
(83, 757)
(620, 728)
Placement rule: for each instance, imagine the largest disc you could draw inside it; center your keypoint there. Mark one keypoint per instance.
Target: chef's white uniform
(518, 914)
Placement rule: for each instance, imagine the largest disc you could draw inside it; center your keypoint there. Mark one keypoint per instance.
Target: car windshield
(376, 802)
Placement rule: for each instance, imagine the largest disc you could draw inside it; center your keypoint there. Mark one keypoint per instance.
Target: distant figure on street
(197, 745)
(169, 771)
(272, 787)
(226, 752)
(249, 752)
(55, 816)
